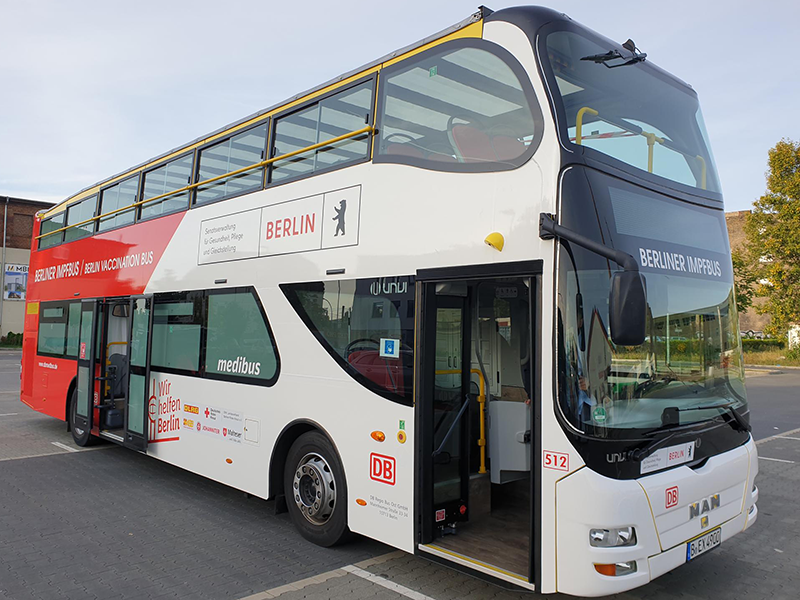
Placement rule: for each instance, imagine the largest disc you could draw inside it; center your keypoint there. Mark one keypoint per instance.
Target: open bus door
(87, 338)
(140, 339)
(475, 420)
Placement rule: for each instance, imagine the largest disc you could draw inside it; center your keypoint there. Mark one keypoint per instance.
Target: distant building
(750, 320)
(16, 230)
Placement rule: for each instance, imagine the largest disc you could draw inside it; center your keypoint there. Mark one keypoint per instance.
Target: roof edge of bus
(473, 18)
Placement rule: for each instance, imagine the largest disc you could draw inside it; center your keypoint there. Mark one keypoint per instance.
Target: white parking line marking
(783, 437)
(389, 585)
(776, 459)
(9, 414)
(777, 436)
(64, 447)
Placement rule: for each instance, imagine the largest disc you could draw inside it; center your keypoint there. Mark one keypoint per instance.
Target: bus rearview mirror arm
(627, 302)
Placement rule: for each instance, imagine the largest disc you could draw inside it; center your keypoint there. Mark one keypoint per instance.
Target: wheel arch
(68, 402)
(280, 452)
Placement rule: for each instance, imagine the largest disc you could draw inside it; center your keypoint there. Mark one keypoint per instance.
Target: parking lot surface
(106, 522)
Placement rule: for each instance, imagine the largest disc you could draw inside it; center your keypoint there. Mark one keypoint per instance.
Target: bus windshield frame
(637, 117)
(691, 360)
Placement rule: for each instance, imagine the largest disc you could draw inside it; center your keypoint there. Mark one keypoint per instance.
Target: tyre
(80, 436)
(316, 491)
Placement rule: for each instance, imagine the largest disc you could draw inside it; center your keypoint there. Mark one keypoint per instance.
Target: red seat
(472, 144)
(507, 147)
(384, 372)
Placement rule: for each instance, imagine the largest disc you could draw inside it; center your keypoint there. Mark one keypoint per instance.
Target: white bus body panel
(588, 500)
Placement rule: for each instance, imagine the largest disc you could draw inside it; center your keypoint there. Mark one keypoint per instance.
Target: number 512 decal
(555, 460)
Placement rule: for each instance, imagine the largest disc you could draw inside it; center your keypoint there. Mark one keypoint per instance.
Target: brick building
(750, 320)
(16, 230)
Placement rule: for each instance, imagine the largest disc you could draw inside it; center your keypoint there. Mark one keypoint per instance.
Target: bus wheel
(316, 492)
(81, 436)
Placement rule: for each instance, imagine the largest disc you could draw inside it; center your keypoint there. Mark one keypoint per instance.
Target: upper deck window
(636, 114)
(166, 178)
(119, 196)
(78, 213)
(331, 117)
(234, 153)
(52, 224)
(463, 106)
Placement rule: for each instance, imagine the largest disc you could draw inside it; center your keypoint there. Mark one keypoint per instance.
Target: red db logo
(382, 468)
(671, 497)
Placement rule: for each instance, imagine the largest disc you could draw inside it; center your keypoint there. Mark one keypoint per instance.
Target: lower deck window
(367, 325)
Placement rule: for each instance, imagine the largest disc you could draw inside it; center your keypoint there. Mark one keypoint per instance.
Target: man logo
(704, 506)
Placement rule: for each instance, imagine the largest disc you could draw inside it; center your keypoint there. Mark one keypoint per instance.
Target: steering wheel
(352, 346)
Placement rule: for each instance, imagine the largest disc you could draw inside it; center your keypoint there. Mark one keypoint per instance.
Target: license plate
(703, 544)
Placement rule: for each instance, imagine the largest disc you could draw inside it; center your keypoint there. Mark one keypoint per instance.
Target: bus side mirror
(627, 308)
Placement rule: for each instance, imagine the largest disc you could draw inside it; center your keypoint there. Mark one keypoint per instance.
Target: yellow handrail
(702, 162)
(482, 404)
(579, 122)
(652, 138)
(258, 165)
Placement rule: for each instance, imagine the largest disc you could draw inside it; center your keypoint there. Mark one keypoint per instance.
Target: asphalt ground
(106, 522)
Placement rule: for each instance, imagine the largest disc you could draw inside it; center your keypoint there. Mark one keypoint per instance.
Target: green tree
(744, 277)
(773, 238)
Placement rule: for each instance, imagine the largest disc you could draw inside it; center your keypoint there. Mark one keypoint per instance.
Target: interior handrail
(481, 404)
(651, 137)
(258, 165)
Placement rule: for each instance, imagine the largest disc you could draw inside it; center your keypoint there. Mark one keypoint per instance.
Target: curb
(770, 367)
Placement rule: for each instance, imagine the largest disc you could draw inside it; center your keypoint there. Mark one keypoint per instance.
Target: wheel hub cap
(314, 489)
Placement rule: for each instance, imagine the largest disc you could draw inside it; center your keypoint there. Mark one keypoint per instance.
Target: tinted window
(176, 334)
(73, 328)
(239, 343)
(457, 106)
(77, 213)
(367, 325)
(48, 225)
(234, 153)
(332, 117)
(52, 328)
(121, 195)
(171, 176)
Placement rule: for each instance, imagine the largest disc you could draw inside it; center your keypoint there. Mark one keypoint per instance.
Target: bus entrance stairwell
(475, 420)
(82, 407)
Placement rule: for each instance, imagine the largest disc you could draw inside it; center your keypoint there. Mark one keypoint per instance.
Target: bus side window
(176, 333)
(366, 325)
(341, 113)
(463, 106)
(174, 175)
(239, 343)
(53, 328)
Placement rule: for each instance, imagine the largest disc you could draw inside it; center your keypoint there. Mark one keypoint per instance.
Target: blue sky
(92, 88)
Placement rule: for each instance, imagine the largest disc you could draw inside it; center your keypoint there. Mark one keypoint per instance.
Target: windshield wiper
(605, 58)
(737, 421)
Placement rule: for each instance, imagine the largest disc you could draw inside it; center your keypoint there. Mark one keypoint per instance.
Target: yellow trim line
(476, 562)
(263, 163)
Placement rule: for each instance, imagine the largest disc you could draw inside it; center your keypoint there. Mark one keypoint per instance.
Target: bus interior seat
(507, 147)
(120, 374)
(378, 369)
(471, 144)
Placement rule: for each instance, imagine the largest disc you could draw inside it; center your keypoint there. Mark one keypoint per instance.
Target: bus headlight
(612, 538)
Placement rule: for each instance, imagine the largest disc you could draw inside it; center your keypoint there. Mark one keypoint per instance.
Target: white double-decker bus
(473, 300)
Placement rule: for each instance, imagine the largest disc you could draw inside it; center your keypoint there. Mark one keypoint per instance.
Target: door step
(112, 436)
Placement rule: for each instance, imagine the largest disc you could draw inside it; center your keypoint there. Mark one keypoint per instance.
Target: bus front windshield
(689, 368)
(634, 113)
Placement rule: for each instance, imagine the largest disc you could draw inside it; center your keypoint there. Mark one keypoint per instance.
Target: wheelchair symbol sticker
(390, 348)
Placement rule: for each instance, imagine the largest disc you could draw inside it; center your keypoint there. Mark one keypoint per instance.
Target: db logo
(382, 468)
(671, 497)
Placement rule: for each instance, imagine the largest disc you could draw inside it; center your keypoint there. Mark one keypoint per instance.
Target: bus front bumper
(587, 500)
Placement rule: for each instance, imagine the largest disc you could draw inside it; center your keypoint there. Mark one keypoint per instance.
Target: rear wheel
(316, 491)
(81, 437)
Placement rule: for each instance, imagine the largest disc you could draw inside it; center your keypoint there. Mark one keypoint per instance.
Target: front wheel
(82, 437)
(316, 491)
